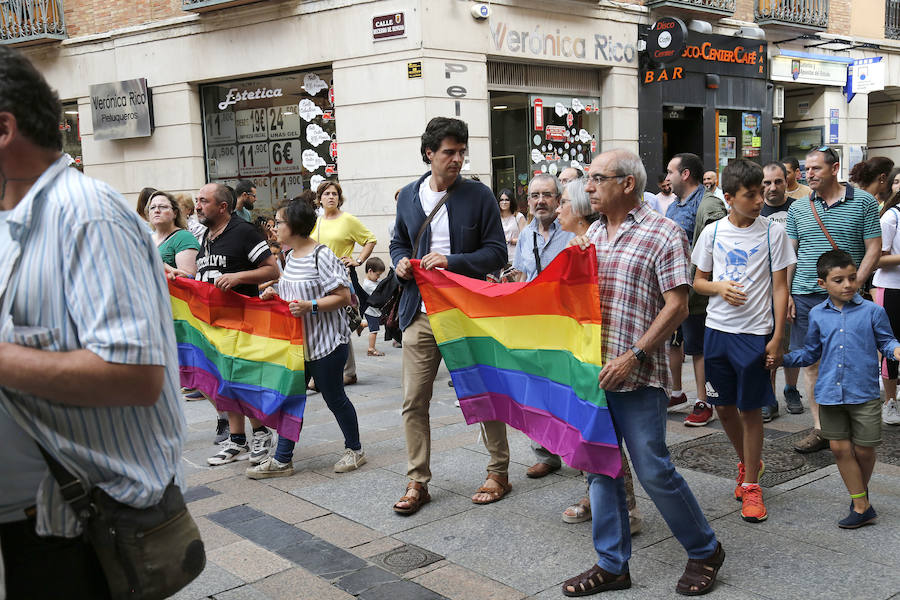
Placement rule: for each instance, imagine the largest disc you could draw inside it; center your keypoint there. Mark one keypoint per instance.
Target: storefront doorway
(682, 132)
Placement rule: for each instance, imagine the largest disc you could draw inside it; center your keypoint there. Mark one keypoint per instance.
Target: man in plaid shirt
(644, 271)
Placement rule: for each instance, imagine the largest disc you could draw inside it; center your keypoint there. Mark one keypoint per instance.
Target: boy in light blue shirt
(846, 332)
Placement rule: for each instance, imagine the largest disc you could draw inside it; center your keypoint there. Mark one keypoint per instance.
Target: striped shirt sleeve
(871, 220)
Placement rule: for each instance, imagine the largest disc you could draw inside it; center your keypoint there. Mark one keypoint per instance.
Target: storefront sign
(234, 96)
(865, 75)
(806, 70)
(663, 75)
(719, 54)
(666, 39)
(121, 109)
(802, 108)
(414, 70)
(833, 125)
(388, 27)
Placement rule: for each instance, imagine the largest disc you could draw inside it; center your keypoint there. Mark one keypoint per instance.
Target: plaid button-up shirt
(648, 256)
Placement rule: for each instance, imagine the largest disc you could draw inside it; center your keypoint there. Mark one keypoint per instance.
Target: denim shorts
(803, 304)
(693, 330)
(735, 366)
(373, 322)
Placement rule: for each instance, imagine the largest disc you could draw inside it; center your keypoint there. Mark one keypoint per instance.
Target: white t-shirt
(440, 224)
(742, 255)
(889, 277)
(663, 201)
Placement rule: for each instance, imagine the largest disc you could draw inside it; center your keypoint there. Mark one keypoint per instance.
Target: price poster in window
(220, 128)
(253, 159)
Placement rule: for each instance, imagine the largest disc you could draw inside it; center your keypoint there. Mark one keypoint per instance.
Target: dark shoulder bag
(145, 553)
(354, 317)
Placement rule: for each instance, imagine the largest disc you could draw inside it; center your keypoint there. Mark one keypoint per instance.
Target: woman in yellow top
(341, 232)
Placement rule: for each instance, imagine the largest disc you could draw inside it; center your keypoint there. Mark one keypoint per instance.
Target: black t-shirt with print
(777, 213)
(240, 247)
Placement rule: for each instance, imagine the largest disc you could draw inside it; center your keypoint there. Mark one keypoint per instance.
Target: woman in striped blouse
(316, 285)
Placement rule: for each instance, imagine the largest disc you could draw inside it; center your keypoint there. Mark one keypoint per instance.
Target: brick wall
(86, 17)
(839, 17)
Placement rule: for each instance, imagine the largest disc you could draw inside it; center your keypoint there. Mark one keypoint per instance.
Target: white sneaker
(890, 413)
(350, 461)
(260, 444)
(229, 452)
(270, 468)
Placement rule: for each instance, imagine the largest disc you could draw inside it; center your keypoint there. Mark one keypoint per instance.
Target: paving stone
(247, 560)
(323, 559)
(400, 590)
(213, 535)
(213, 580)
(215, 504)
(286, 507)
(426, 569)
(364, 579)
(235, 514)
(382, 544)
(381, 489)
(245, 592)
(339, 531)
(458, 583)
(300, 584)
(199, 492)
(269, 532)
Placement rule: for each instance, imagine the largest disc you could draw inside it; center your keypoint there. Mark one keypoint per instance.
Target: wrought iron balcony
(207, 5)
(803, 14)
(715, 7)
(892, 19)
(24, 22)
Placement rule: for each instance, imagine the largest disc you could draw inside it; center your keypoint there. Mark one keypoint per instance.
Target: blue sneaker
(856, 520)
(792, 399)
(769, 412)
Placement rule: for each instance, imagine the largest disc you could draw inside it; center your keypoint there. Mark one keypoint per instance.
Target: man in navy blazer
(464, 236)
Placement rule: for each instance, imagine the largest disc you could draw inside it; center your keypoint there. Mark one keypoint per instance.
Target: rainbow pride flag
(244, 353)
(528, 354)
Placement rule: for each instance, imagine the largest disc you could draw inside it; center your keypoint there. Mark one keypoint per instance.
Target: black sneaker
(769, 412)
(222, 432)
(792, 398)
(856, 520)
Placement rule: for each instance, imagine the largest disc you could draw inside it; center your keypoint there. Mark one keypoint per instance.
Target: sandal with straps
(594, 581)
(414, 503)
(494, 493)
(700, 573)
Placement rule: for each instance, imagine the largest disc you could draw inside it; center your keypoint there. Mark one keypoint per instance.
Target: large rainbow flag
(246, 354)
(528, 354)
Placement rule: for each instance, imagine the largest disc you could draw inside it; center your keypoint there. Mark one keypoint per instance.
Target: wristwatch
(639, 354)
(315, 307)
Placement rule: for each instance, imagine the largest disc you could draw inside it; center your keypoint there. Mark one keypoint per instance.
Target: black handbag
(145, 553)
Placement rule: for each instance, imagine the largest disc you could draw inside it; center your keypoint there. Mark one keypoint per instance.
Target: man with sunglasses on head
(849, 222)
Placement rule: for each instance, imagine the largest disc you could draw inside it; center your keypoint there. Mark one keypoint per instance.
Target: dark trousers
(49, 568)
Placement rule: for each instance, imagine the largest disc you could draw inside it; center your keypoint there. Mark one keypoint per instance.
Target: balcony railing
(718, 7)
(207, 5)
(892, 19)
(25, 22)
(807, 14)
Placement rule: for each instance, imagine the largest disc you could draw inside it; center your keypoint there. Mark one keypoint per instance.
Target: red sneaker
(752, 509)
(676, 402)
(739, 490)
(703, 414)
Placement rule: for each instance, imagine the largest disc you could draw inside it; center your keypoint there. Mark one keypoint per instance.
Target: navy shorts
(373, 322)
(735, 366)
(693, 330)
(803, 303)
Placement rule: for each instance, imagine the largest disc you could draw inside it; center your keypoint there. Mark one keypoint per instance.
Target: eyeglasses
(539, 195)
(830, 151)
(159, 207)
(251, 194)
(599, 178)
(279, 222)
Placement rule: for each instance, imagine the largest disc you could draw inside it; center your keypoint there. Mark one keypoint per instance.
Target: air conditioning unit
(778, 103)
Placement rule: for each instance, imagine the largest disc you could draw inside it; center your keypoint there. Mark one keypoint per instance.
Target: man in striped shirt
(850, 218)
(88, 361)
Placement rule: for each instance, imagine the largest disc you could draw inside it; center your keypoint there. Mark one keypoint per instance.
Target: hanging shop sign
(121, 109)
(809, 70)
(666, 40)
(865, 75)
(719, 54)
(388, 27)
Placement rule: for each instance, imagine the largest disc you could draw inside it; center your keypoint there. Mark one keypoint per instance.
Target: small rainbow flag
(246, 354)
(528, 354)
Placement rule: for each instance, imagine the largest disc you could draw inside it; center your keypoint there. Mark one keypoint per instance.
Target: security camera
(480, 10)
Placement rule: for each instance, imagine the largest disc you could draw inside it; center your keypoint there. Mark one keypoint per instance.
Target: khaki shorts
(859, 423)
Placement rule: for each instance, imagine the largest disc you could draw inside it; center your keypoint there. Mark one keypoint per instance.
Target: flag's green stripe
(557, 365)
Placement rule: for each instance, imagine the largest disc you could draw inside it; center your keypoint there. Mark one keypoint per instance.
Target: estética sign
(121, 109)
(666, 40)
(386, 27)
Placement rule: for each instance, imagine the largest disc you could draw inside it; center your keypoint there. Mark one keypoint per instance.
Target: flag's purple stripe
(286, 424)
(553, 434)
(555, 399)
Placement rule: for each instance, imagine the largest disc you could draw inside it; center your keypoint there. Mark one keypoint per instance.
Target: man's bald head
(710, 180)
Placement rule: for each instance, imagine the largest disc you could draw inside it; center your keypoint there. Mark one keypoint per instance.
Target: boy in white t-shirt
(742, 263)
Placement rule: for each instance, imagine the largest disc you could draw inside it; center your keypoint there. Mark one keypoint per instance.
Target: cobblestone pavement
(320, 535)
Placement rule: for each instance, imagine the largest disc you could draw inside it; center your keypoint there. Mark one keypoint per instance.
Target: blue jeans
(640, 419)
(329, 374)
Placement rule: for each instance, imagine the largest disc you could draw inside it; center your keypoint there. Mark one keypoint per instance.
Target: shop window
(738, 136)
(540, 133)
(278, 132)
(71, 134)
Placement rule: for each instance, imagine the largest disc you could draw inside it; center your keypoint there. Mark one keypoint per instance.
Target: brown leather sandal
(495, 494)
(414, 502)
(700, 573)
(594, 581)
